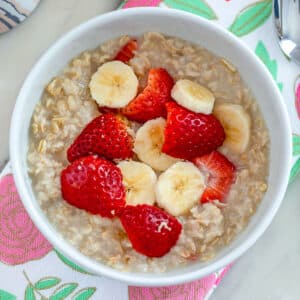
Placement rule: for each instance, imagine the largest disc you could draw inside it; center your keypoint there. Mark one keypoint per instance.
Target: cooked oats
(66, 107)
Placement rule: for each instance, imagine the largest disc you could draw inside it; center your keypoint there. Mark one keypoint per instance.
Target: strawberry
(189, 134)
(150, 103)
(151, 231)
(127, 52)
(106, 136)
(95, 185)
(220, 175)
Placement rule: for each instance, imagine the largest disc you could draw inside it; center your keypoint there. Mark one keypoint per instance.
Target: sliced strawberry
(150, 103)
(220, 175)
(95, 185)
(151, 231)
(189, 134)
(106, 136)
(127, 52)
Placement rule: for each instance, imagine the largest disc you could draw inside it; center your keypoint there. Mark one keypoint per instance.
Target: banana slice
(139, 181)
(148, 143)
(236, 123)
(179, 188)
(114, 84)
(193, 96)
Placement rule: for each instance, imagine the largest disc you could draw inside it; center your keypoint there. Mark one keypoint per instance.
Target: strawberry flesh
(220, 175)
(151, 231)
(127, 51)
(189, 134)
(106, 136)
(95, 185)
(150, 103)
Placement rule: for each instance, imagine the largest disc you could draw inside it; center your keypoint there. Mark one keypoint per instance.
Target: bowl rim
(101, 269)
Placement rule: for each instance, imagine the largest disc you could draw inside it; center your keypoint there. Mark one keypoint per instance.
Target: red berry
(95, 185)
(106, 136)
(151, 231)
(220, 175)
(189, 134)
(150, 103)
(127, 52)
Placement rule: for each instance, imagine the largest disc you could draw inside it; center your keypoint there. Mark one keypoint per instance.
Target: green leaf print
(295, 171)
(63, 291)
(121, 4)
(60, 292)
(280, 86)
(29, 293)
(251, 17)
(47, 283)
(84, 294)
(6, 295)
(296, 144)
(71, 264)
(262, 52)
(198, 7)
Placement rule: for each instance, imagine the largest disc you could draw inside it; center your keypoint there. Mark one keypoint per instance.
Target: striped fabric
(13, 12)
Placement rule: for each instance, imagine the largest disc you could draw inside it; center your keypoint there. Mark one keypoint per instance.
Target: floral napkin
(29, 266)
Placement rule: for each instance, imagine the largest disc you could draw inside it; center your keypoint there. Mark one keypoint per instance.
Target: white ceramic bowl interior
(193, 29)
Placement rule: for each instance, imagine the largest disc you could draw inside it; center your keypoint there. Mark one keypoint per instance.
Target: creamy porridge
(67, 106)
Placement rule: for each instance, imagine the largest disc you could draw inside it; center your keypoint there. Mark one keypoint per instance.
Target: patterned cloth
(29, 266)
(14, 12)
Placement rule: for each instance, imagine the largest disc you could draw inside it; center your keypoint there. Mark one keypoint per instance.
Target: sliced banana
(193, 96)
(236, 123)
(114, 84)
(179, 188)
(148, 143)
(139, 181)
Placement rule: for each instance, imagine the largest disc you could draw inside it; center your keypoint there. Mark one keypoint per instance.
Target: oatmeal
(68, 105)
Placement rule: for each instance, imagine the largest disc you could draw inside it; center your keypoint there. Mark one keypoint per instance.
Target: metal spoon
(287, 24)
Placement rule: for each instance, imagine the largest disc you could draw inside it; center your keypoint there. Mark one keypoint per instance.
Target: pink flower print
(139, 3)
(20, 240)
(223, 273)
(190, 291)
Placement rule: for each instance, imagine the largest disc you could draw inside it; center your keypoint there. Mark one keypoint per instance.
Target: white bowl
(190, 28)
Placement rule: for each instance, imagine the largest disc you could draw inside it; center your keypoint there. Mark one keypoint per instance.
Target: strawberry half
(95, 185)
(106, 136)
(189, 135)
(150, 103)
(151, 231)
(220, 175)
(127, 52)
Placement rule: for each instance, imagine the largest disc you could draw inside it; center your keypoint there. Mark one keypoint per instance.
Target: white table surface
(269, 270)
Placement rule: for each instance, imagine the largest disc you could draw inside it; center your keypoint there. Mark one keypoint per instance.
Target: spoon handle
(293, 21)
